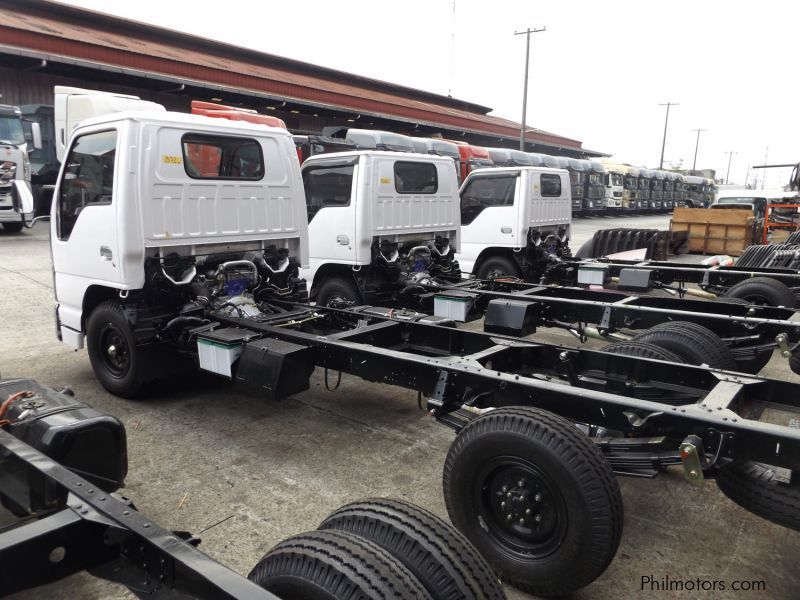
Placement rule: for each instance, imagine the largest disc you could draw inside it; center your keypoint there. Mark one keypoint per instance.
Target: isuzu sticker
(385, 181)
(172, 160)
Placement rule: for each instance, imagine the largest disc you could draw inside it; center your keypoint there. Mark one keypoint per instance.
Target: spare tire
(756, 488)
(764, 291)
(694, 343)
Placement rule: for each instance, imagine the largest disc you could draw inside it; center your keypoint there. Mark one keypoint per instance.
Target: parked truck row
(177, 235)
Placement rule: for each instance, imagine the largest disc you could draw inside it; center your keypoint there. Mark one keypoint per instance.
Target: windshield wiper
(9, 143)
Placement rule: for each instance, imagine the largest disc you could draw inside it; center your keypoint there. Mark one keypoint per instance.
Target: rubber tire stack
(416, 552)
(763, 290)
(694, 343)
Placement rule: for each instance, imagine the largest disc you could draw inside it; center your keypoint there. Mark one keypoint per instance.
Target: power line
(527, 33)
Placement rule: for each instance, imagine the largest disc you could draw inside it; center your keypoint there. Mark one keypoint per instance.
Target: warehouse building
(43, 44)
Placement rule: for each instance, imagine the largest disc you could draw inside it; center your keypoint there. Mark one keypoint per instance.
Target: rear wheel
(498, 266)
(443, 560)
(694, 343)
(338, 291)
(756, 488)
(764, 291)
(334, 565)
(643, 350)
(536, 497)
(117, 363)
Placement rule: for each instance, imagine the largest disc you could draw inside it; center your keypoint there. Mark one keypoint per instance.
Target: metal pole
(766, 161)
(696, 146)
(664, 140)
(522, 127)
(730, 154)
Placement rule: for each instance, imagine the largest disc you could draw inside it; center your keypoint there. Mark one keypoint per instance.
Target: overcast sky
(597, 74)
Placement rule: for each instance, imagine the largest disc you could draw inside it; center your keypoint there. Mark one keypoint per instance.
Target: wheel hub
(522, 506)
(114, 349)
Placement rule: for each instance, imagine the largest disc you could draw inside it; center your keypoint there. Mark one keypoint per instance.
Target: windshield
(616, 179)
(11, 130)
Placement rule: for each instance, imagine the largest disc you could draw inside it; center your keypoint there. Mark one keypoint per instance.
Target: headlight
(26, 167)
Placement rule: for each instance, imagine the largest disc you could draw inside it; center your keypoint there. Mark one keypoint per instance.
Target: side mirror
(36, 132)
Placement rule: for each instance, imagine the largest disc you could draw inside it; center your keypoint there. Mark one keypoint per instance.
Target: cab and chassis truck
(154, 257)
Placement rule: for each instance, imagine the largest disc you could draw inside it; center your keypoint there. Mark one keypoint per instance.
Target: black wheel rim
(114, 350)
(522, 510)
(757, 299)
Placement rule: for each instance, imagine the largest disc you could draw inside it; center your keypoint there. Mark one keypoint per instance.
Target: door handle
(505, 230)
(105, 253)
(343, 240)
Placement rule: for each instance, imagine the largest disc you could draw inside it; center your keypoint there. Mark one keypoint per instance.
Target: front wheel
(116, 362)
(12, 227)
(498, 266)
(536, 497)
(337, 292)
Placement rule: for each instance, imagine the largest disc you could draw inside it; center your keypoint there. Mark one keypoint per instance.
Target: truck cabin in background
(657, 190)
(503, 157)
(368, 139)
(16, 199)
(614, 180)
(695, 194)
(645, 175)
(597, 191)
(669, 191)
(472, 157)
(439, 147)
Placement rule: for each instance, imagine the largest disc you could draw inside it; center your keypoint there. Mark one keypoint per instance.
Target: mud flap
(274, 368)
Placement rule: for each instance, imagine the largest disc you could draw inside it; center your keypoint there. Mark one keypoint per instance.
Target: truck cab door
(330, 187)
(84, 224)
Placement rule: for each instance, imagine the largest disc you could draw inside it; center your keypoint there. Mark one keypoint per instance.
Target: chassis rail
(465, 372)
(95, 531)
(668, 273)
(741, 326)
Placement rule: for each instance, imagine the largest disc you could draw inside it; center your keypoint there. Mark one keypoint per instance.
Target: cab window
(485, 192)
(551, 185)
(415, 178)
(218, 157)
(329, 185)
(88, 178)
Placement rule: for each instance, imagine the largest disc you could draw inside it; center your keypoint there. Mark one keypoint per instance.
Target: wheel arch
(327, 271)
(94, 295)
(493, 251)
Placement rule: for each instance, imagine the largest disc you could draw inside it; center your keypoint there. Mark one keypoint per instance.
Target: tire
(116, 362)
(12, 227)
(334, 565)
(338, 289)
(498, 266)
(754, 487)
(564, 479)
(794, 363)
(694, 343)
(440, 557)
(764, 291)
(643, 350)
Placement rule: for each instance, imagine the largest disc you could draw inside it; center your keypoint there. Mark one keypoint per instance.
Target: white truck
(16, 198)
(514, 221)
(159, 216)
(381, 226)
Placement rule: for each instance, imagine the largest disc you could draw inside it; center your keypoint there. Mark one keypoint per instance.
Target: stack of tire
(378, 548)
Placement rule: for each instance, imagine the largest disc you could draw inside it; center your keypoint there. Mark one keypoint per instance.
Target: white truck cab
(16, 199)
(513, 219)
(380, 224)
(157, 215)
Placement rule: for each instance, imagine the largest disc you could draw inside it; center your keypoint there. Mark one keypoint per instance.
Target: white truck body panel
(344, 234)
(156, 208)
(507, 226)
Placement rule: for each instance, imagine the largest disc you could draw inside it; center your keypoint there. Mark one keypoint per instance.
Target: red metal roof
(64, 31)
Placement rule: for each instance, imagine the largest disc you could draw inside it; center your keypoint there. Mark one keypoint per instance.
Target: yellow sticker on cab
(171, 159)
(385, 181)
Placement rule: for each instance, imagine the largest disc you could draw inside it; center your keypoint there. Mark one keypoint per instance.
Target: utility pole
(523, 126)
(696, 146)
(664, 141)
(766, 162)
(730, 154)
